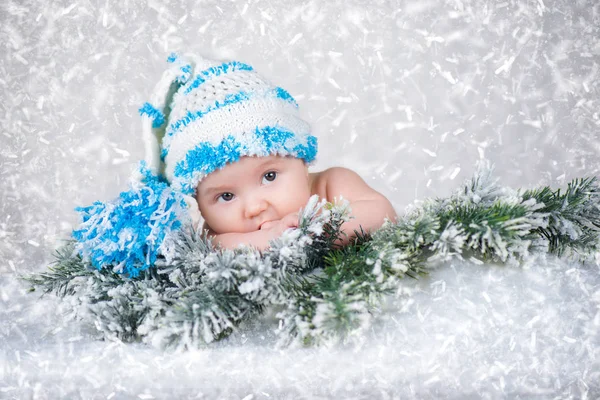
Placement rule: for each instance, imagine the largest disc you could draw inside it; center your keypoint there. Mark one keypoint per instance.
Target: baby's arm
(259, 239)
(232, 240)
(369, 207)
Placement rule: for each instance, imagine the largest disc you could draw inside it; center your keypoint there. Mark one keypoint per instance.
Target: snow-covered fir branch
(196, 294)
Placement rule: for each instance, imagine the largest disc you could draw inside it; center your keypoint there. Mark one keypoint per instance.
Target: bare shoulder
(339, 182)
(318, 184)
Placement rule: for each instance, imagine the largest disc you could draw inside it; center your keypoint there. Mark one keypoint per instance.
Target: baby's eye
(270, 176)
(226, 196)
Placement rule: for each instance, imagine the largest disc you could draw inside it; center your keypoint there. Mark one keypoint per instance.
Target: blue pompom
(127, 233)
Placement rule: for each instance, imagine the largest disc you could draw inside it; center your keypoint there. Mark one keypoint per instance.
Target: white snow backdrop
(410, 94)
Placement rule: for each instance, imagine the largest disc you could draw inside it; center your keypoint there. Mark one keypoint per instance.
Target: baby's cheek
(225, 220)
(298, 199)
(210, 222)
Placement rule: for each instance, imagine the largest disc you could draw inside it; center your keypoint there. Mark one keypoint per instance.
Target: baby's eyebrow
(267, 162)
(260, 166)
(214, 189)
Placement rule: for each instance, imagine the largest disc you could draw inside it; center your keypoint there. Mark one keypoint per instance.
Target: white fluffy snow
(466, 331)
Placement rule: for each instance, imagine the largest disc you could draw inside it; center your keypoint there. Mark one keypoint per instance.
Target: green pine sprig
(573, 217)
(197, 294)
(64, 275)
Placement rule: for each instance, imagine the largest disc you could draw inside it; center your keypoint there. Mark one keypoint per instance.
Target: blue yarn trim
(307, 152)
(172, 57)
(185, 67)
(158, 118)
(216, 71)
(177, 126)
(206, 158)
(230, 99)
(127, 233)
(283, 94)
(186, 74)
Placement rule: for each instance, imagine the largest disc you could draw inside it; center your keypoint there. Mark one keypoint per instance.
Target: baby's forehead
(271, 157)
(247, 165)
(247, 162)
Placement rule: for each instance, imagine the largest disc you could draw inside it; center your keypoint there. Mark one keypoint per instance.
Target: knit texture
(217, 113)
(202, 115)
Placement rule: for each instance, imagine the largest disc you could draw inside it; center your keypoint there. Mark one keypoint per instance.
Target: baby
(255, 199)
(237, 148)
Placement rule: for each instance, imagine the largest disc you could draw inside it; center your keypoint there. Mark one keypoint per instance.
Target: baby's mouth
(261, 224)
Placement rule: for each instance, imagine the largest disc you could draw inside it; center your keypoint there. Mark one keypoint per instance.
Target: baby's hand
(276, 228)
(259, 239)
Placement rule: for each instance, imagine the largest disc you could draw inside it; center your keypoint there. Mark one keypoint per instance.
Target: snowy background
(410, 94)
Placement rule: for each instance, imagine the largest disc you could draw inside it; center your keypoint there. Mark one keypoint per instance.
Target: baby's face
(244, 194)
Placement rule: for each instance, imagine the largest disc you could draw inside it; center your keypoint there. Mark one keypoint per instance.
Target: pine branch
(491, 230)
(228, 287)
(573, 218)
(63, 275)
(335, 310)
(187, 250)
(204, 315)
(120, 309)
(196, 294)
(327, 239)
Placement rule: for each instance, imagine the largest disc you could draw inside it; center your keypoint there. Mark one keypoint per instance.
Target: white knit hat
(206, 114)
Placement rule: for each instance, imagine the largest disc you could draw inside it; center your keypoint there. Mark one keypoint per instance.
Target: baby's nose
(255, 207)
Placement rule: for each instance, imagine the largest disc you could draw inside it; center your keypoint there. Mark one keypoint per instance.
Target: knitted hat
(202, 115)
(206, 114)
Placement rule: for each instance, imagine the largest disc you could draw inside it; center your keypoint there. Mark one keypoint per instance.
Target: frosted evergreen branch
(196, 293)
(213, 291)
(483, 188)
(64, 275)
(119, 311)
(338, 302)
(337, 310)
(497, 226)
(492, 231)
(573, 218)
(200, 317)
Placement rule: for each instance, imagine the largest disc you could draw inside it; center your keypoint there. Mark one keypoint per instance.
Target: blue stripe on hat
(158, 118)
(224, 68)
(190, 117)
(206, 158)
(283, 94)
(230, 99)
